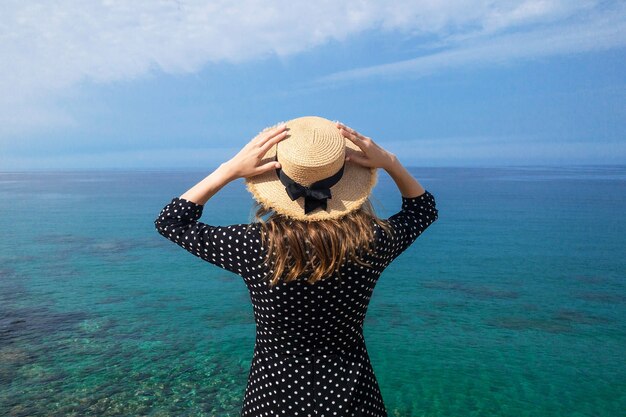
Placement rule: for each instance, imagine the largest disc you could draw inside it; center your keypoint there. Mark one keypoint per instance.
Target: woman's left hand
(246, 163)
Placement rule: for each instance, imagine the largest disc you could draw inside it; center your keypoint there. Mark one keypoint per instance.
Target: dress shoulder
(415, 216)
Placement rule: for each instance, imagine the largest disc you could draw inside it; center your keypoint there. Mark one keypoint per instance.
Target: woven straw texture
(314, 149)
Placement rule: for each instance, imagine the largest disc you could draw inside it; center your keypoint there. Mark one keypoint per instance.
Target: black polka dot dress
(310, 357)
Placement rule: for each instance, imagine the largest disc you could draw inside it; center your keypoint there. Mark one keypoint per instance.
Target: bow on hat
(316, 194)
(313, 198)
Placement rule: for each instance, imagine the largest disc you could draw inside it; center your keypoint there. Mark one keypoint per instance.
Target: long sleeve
(225, 246)
(414, 217)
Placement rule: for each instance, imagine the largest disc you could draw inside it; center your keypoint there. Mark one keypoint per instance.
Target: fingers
(272, 141)
(264, 137)
(354, 132)
(357, 138)
(353, 138)
(266, 167)
(358, 158)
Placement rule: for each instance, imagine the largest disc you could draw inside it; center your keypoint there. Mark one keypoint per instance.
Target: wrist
(392, 163)
(228, 171)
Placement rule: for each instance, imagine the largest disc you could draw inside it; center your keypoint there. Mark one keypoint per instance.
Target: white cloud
(596, 31)
(46, 48)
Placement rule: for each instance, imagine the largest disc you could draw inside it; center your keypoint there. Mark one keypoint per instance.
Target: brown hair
(318, 247)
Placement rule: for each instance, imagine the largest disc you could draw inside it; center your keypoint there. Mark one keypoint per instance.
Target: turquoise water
(511, 304)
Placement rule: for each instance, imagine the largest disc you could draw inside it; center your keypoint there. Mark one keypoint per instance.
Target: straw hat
(314, 182)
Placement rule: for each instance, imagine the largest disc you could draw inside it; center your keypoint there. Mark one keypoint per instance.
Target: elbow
(165, 226)
(160, 226)
(434, 210)
(434, 216)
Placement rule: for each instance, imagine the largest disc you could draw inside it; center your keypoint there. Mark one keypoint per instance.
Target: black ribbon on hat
(314, 195)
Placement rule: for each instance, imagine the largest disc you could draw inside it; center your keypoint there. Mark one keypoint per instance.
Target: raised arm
(224, 246)
(418, 209)
(409, 187)
(244, 164)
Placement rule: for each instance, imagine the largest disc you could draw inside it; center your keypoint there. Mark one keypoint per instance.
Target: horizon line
(172, 169)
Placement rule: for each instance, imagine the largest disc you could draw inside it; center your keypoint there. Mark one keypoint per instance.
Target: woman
(311, 266)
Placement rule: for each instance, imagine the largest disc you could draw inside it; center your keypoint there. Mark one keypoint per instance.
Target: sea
(513, 303)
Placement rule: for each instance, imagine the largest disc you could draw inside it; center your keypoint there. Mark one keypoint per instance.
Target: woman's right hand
(375, 156)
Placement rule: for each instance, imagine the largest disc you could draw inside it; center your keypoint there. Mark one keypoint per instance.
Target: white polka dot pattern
(310, 357)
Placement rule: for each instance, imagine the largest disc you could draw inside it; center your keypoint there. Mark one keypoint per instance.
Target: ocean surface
(513, 303)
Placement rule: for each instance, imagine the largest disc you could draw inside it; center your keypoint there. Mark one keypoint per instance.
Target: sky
(159, 84)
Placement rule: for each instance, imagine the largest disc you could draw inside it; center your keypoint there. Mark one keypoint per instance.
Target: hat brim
(347, 195)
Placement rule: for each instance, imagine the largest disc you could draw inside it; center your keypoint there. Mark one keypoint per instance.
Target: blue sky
(176, 84)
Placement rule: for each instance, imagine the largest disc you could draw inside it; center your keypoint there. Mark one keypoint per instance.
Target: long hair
(318, 248)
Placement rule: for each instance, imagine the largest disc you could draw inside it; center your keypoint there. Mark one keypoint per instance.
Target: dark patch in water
(11, 288)
(591, 279)
(111, 247)
(15, 356)
(579, 317)
(479, 291)
(60, 272)
(151, 242)
(430, 318)
(529, 323)
(111, 250)
(388, 314)
(442, 304)
(602, 297)
(6, 272)
(63, 239)
(35, 323)
(562, 321)
(11, 359)
(393, 311)
(21, 258)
